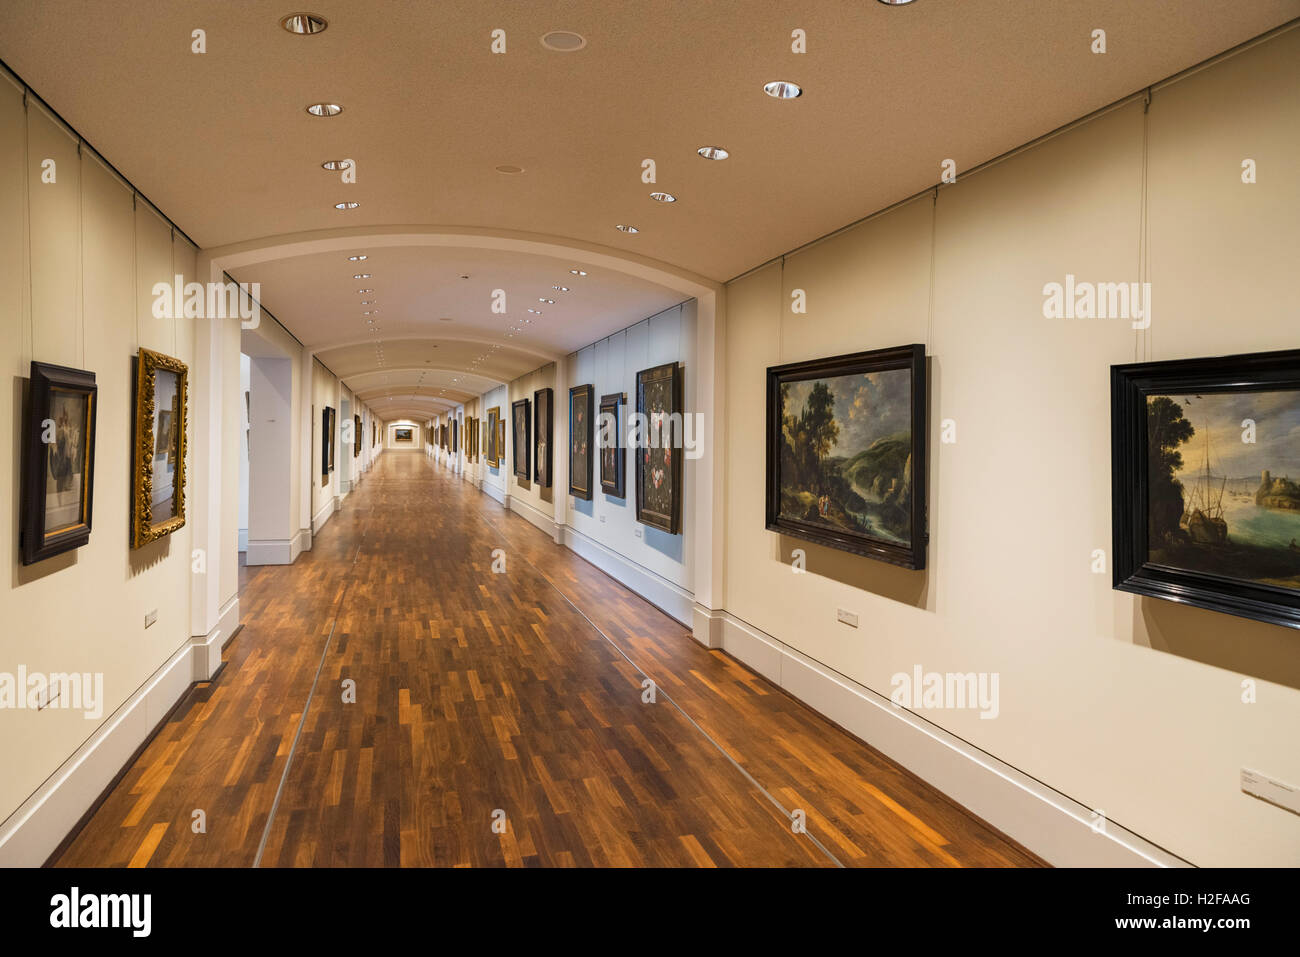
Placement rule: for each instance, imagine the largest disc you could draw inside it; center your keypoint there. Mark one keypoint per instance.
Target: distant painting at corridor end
(846, 453)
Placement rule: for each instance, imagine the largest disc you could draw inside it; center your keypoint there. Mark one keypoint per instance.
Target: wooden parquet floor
(491, 723)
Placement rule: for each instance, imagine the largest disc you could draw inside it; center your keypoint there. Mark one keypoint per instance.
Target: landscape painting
(1207, 483)
(846, 453)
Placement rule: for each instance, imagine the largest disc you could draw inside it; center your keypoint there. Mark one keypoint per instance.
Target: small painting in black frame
(659, 448)
(581, 436)
(612, 459)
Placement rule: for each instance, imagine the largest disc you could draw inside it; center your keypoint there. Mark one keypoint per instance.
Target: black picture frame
(909, 357)
(327, 420)
(43, 461)
(356, 436)
(659, 457)
(1132, 569)
(581, 440)
(521, 437)
(543, 435)
(612, 455)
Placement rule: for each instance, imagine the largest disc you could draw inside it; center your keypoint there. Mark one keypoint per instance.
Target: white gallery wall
(1130, 706)
(78, 259)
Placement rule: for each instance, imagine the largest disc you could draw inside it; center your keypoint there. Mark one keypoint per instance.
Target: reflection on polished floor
(486, 698)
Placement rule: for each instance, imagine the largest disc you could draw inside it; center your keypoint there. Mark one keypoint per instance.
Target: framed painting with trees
(1205, 483)
(846, 453)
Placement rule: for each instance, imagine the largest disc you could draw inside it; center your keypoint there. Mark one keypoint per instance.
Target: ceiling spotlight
(535, 312)
(346, 205)
(365, 290)
(444, 319)
(304, 24)
(367, 302)
(663, 197)
(324, 109)
(713, 152)
(369, 312)
(782, 89)
(510, 170)
(561, 288)
(362, 275)
(578, 272)
(623, 228)
(563, 41)
(357, 259)
(551, 301)
(895, 3)
(336, 164)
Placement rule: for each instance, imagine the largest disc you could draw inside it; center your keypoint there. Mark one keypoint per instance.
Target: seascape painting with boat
(1224, 484)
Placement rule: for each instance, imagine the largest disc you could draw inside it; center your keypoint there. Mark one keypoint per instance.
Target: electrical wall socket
(150, 617)
(638, 531)
(1271, 790)
(48, 695)
(602, 519)
(847, 617)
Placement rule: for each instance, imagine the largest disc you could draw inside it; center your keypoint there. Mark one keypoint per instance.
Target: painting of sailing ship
(1224, 484)
(846, 453)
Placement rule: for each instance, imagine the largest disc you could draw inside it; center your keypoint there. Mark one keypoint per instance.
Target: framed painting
(612, 459)
(521, 437)
(327, 420)
(158, 475)
(1205, 485)
(543, 425)
(659, 450)
(58, 477)
(494, 443)
(581, 440)
(403, 435)
(357, 433)
(846, 453)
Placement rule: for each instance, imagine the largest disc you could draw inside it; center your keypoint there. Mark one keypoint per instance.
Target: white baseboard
(30, 835)
(320, 518)
(533, 514)
(243, 540)
(668, 597)
(1052, 825)
(272, 552)
(495, 492)
(206, 649)
(299, 543)
(345, 486)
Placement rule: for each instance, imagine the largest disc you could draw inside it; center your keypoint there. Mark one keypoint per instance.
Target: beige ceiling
(221, 142)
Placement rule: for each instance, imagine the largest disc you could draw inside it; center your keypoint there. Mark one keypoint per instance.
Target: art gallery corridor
(479, 691)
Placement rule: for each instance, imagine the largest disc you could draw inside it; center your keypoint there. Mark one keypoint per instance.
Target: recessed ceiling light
(510, 170)
(713, 152)
(895, 3)
(357, 259)
(367, 302)
(623, 228)
(782, 89)
(346, 205)
(369, 312)
(561, 288)
(551, 301)
(563, 41)
(324, 109)
(536, 312)
(663, 197)
(444, 319)
(336, 164)
(305, 24)
(365, 290)
(362, 275)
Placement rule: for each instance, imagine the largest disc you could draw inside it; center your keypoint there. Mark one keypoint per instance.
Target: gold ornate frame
(143, 529)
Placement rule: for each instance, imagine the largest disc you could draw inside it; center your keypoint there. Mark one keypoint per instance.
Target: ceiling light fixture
(551, 301)
(663, 197)
(346, 205)
(623, 228)
(336, 164)
(895, 3)
(561, 288)
(367, 302)
(357, 259)
(305, 24)
(782, 89)
(510, 170)
(535, 312)
(324, 109)
(713, 152)
(563, 41)
(365, 290)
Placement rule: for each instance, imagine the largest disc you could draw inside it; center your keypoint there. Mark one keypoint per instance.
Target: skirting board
(495, 492)
(533, 514)
(243, 539)
(1052, 825)
(206, 649)
(31, 834)
(671, 599)
(320, 518)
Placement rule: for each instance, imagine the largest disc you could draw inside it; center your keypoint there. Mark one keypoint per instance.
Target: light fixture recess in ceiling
(324, 109)
(336, 164)
(563, 41)
(663, 197)
(782, 89)
(713, 152)
(445, 319)
(510, 170)
(357, 259)
(561, 288)
(352, 205)
(895, 3)
(362, 275)
(550, 301)
(578, 272)
(365, 290)
(624, 228)
(305, 24)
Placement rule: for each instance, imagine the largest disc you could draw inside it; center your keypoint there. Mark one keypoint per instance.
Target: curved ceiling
(221, 141)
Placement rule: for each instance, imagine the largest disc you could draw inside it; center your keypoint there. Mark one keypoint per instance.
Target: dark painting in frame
(521, 437)
(58, 478)
(543, 427)
(1205, 483)
(659, 452)
(159, 442)
(357, 435)
(327, 419)
(846, 453)
(612, 458)
(581, 440)
(494, 450)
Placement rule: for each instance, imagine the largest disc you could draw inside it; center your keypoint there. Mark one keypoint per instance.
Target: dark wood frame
(1130, 385)
(543, 425)
(670, 522)
(493, 453)
(910, 357)
(143, 528)
(327, 419)
(612, 405)
(525, 447)
(589, 392)
(356, 436)
(46, 379)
